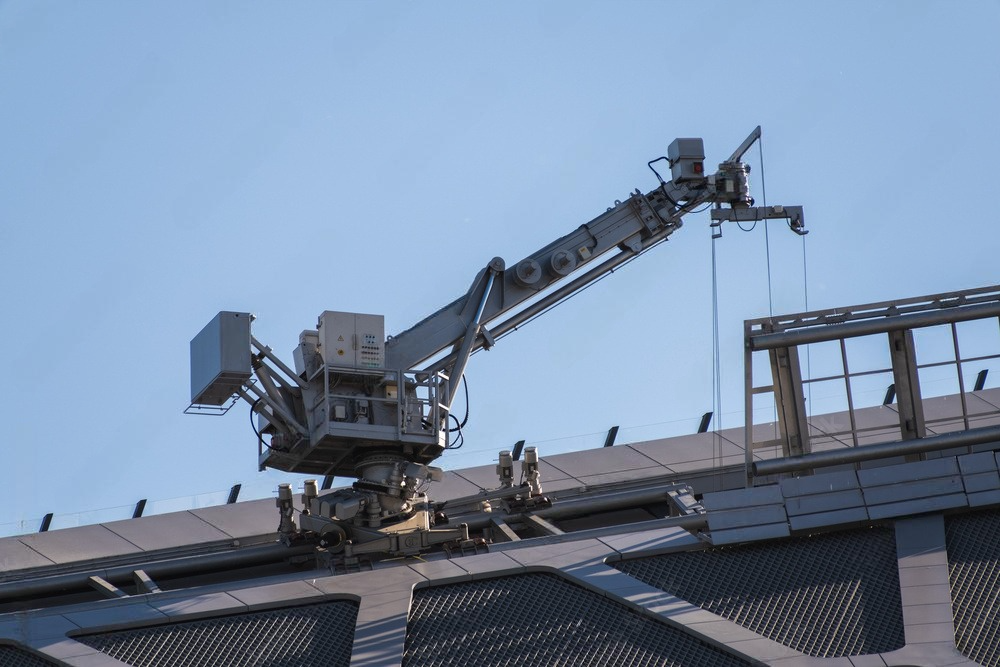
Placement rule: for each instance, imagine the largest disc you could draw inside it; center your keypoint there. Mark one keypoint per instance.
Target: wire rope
(805, 296)
(716, 365)
(767, 240)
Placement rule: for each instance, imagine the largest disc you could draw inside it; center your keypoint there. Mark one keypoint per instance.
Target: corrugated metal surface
(320, 634)
(974, 571)
(12, 656)
(828, 595)
(541, 619)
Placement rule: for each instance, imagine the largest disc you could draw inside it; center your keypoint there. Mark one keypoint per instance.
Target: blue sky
(160, 162)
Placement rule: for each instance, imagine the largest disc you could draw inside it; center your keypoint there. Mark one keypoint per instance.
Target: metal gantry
(782, 339)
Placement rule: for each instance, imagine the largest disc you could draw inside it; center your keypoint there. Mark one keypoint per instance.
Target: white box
(353, 340)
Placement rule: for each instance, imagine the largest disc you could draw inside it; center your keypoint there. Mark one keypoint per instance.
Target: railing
(905, 351)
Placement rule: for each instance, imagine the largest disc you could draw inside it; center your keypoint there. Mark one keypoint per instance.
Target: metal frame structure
(781, 337)
(360, 404)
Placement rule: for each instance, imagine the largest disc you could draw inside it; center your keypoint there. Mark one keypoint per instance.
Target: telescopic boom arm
(357, 399)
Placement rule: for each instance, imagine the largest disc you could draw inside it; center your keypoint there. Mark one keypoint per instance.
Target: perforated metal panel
(828, 595)
(541, 619)
(974, 570)
(310, 635)
(12, 656)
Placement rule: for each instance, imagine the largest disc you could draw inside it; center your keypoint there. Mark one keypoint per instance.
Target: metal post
(518, 448)
(748, 394)
(327, 482)
(612, 434)
(961, 380)
(981, 380)
(850, 395)
(46, 522)
(139, 508)
(234, 493)
(706, 419)
(907, 381)
(794, 430)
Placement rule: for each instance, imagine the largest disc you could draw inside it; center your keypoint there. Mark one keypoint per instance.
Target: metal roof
(871, 551)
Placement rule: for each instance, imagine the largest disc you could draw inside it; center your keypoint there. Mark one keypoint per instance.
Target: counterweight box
(220, 358)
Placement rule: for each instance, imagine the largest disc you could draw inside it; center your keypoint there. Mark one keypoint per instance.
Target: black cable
(465, 386)
(663, 184)
(652, 162)
(260, 438)
(465, 421)
(461, 437)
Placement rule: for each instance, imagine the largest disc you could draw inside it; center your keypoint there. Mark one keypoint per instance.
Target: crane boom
(360, 404)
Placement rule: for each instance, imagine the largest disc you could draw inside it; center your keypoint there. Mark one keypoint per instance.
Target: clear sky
(160, 162)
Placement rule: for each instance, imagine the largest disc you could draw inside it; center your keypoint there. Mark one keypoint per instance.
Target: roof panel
(75, 544)
(242, 520)
(164, 531)
(15, 555)
(603, 460)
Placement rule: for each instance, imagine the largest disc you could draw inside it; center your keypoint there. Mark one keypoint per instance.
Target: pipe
(266, 351)
(280, 410)
(835, 457)
(577, 507)
(79, 581)
(745, 146)
(471, 334)
(819, 334)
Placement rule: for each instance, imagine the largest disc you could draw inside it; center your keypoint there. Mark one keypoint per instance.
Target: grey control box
(687, 160)
(220, 358)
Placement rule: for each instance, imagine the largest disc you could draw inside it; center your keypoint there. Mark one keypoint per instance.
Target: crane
(378, 408)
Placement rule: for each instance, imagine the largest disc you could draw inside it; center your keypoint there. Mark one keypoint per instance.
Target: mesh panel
(540, 619)
(974, 570)
(828, 595)
(310, 635)
(12, 656)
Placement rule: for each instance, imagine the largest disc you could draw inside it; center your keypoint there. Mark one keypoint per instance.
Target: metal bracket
(794, 215)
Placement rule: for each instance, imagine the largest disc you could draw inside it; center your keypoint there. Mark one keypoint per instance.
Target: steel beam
(790, 400)
(105, 588)
(501, 531)
(876, 325)
(907, 383)
(836, 457)
(541, 524)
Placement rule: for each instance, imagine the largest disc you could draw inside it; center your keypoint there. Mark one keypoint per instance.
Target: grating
(12, 656)
(320, 634)
(541, 619)
(974, 571)
(827, 595)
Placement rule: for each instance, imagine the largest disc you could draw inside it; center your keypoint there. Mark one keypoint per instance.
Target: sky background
(160, 162)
